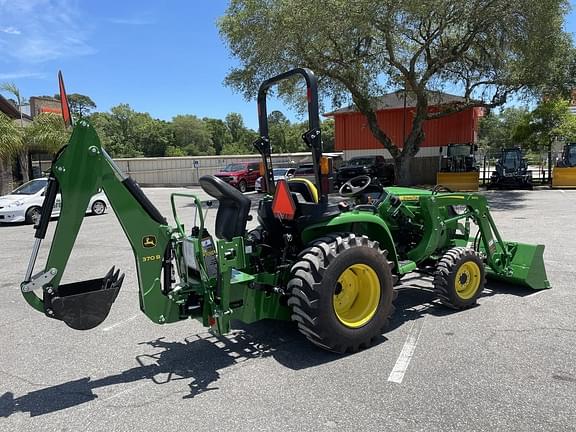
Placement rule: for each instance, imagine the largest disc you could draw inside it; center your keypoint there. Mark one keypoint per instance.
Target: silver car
(279, 173)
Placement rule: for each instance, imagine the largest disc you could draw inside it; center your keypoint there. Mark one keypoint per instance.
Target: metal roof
(395, 100)
(10, 110)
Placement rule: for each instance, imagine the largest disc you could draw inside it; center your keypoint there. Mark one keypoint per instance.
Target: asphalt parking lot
(508, 364)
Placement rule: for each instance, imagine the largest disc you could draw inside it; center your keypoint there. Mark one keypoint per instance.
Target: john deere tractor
(330, 267)
(511, 171)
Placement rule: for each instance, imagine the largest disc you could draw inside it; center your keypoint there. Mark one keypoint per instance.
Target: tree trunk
(23, 159)
(402, 171)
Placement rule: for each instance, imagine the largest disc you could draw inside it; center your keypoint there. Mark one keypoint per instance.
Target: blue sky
(165, 58)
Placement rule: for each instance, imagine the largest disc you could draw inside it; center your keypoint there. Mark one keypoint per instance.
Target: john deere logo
(149, 241)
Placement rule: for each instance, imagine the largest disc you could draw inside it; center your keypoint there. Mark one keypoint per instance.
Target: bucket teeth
(113, 279)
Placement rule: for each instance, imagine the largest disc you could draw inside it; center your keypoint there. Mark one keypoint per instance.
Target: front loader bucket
(526, 267)
(84, 305)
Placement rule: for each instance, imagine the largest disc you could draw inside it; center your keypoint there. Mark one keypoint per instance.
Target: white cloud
(19, 75)
(10, 30)
(47, 30)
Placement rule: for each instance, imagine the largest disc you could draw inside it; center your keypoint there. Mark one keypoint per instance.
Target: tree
(219, 133)
(242, 137)
(11, 142)
(487, 50)
(550, 121)
(505, 129)
(192, 135)
(80, 105)
(278, 130)
(116, 130)
(10, 145)
(47, 133)
(12, 89)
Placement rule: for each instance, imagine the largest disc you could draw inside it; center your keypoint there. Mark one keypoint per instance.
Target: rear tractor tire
(460, 278)
(341, 292)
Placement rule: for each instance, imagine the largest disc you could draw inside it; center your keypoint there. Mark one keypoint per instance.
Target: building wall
(180, 171)
(353, 137)
(352, 131)
(40, 104)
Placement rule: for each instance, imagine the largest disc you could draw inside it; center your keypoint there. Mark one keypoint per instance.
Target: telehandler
(331, 268)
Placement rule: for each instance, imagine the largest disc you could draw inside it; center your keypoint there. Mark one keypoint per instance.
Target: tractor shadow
(502, 200)
(198, 361)
(416, 298)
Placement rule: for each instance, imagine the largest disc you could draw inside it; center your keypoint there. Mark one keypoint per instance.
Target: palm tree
(47, 133)
(11, 144)
(20, 101)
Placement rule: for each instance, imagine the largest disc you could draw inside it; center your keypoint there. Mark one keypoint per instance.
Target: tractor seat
(305, 188)
(233, 207)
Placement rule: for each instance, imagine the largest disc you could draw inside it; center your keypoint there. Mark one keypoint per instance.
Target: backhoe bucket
(526, 267)
(84, 305)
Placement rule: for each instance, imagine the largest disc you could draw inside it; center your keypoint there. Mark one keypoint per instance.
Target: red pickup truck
(241, 175)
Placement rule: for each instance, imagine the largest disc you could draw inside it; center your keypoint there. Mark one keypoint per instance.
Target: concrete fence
(185, 171)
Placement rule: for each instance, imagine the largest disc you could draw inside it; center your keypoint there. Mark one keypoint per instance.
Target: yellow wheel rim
(467, 280)
(357, 295)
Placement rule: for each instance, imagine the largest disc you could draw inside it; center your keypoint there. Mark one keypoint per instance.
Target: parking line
(401, 366)
(120, 323)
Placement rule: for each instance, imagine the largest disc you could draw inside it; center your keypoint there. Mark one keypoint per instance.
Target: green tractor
(333, 268)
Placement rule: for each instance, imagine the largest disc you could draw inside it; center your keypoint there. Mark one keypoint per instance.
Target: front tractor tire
(460, 278)
(341, 292)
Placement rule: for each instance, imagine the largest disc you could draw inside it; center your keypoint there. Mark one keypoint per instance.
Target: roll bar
(312, 137)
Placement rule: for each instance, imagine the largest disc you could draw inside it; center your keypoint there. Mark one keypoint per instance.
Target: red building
(395, 113)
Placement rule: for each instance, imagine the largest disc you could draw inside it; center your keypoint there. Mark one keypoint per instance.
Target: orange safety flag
(283, 205)
(64, 101)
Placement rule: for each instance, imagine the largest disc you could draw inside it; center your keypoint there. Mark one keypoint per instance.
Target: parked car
(241, 175)
(24, 203)
(279, 174)
(374, 166)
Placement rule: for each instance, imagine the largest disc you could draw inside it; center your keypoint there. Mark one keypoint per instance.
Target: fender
(357, 222)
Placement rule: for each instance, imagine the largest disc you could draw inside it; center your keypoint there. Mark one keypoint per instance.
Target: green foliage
(219, 133)
(550, 121)
(80, 105)
(192, 135)
(172, 151)
(10, 138)
(47, 133)
(505, 129)
(360, 49)
(127, 133)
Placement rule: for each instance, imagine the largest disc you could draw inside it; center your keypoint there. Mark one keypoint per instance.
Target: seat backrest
(233, 207)
(305, 188)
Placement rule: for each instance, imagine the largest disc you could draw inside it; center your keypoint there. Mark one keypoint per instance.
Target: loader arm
(79, 171)
(512, 262)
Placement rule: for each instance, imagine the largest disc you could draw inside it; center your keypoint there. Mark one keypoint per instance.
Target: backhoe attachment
(85, 305)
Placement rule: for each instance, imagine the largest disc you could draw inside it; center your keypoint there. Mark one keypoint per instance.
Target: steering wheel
(355, 185)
